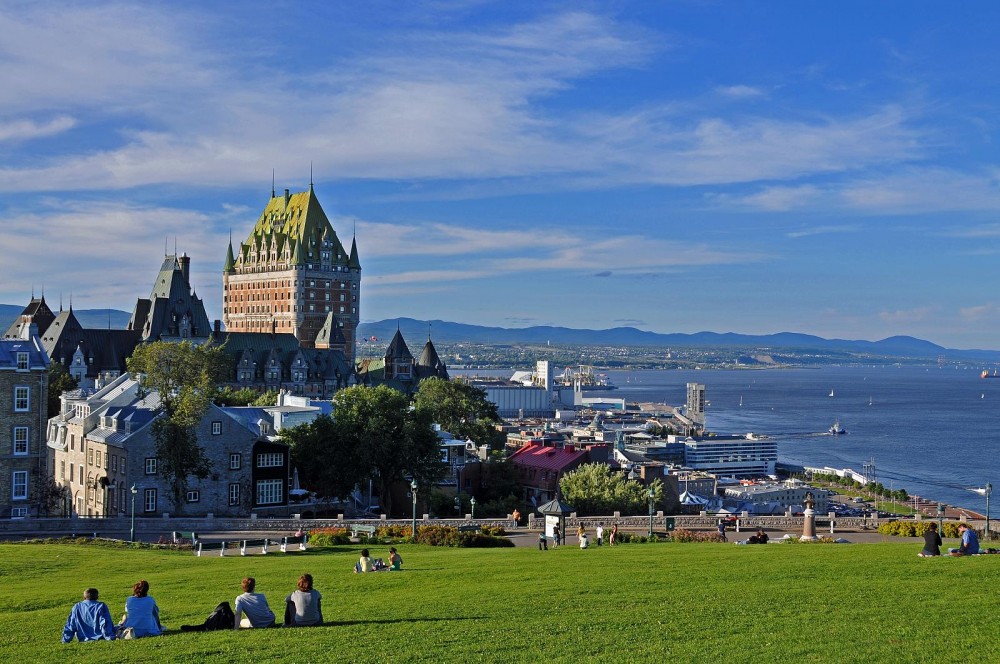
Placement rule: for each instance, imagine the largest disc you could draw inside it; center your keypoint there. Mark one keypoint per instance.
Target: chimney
(287, 197)
(185, 263)
(217, 327)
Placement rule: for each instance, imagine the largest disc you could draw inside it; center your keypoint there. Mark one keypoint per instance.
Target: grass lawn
(638, 602)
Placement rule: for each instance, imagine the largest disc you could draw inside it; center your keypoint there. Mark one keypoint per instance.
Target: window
(149, 500)
(114, 463)
(72, 442)
(22, 361)
(216, 428)
(98, 453)
(234, 494)
(235, 461)
(193, 496)
(90, 457)
(270, 460)
(62, 470)
(18, 512)
(268, 492)
(150, 465)
(20, 441)
(70, 472)
(21, 401)
(123, 465)
(80, 467)
(20, 483)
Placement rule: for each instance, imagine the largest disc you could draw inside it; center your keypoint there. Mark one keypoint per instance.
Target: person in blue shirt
(89, 620)
(970, 543)
(141, 612)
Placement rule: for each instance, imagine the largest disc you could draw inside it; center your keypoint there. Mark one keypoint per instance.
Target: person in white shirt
(251, 608)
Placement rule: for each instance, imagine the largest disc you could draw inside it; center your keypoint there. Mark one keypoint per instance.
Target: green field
(638, 602)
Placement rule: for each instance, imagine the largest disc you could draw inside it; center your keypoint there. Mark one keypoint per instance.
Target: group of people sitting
(368, 564)
(90, 619)
(969, 545)
(760, 537)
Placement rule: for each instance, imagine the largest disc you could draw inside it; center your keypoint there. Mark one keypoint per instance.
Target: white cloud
(825, 230)
(740, 91)
(906, 316)
(19, 130)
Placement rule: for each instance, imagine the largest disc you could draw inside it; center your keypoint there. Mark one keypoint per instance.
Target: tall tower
(291, 273)
(695, 406)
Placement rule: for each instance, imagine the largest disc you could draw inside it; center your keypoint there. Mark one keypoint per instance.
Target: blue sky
(828, 168)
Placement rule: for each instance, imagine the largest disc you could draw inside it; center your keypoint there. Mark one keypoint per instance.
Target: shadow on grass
(396, 621)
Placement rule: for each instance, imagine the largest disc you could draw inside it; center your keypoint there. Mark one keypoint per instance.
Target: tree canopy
(461, 409)
(594, 488)
(60, 381)
(374, 433)
(186, 377)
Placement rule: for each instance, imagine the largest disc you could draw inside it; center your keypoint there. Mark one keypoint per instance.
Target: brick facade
(23, 404)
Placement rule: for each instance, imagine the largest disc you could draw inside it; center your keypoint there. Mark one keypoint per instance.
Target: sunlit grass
(695, 602)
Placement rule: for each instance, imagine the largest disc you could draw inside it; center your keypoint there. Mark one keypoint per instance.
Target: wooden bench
(469, 529)
(253, 543)
(179, 535)
(301, 541)
(369, 531)
(210, 546)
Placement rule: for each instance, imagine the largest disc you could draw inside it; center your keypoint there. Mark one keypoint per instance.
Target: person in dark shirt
(932, 542)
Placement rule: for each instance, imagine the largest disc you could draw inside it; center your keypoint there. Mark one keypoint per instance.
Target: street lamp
(940, 510)
(413, 492)
(472, 504)
(989, 490)
(131, 537)
(652, 497)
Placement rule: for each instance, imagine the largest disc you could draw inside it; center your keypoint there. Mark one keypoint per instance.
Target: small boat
(869, 401)
(831, 393)
(836, 429)
(741, 401)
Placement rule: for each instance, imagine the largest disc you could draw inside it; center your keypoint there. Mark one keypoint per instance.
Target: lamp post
(472, 505)
(131, 537)
(940, 511)
(652, 497)
(989, 490)
(413, 492)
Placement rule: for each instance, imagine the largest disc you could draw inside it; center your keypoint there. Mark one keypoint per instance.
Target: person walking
(722, 531)
(555, 535)
(599, 535)
(614, 535)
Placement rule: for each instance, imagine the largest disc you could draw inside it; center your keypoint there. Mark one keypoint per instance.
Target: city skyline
(673, 167)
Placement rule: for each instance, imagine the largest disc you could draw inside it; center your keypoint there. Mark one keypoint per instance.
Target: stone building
(101, 445)
(292, 274)
(398, 369)
(23, 403)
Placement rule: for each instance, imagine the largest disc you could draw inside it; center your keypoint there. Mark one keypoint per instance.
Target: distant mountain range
(416, 332)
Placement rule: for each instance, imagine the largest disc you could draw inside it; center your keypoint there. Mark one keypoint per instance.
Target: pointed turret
(230, 265)
(354, 263)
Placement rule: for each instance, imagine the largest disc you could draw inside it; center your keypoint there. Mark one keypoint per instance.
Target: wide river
(934, 431)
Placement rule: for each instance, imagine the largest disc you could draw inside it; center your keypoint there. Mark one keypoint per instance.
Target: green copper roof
(299, 218)
(230, 261)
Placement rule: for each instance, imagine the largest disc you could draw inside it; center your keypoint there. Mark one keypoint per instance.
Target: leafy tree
(460, 409)
(186, 377)
(59, 381)
(52, 498)
(594, 488)
(245, 396)
(392, 440)
(328, 461)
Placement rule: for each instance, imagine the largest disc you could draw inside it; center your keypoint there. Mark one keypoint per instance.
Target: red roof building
(540, 467)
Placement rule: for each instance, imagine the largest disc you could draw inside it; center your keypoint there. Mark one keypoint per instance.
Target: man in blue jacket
(89, 620)
(970, 543)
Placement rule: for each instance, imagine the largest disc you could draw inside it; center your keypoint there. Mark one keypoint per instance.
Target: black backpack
(222, 617)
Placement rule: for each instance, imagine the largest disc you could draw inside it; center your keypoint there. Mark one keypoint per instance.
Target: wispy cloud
(825, 230)
(906, 316)
(740, 91)
(14, 130)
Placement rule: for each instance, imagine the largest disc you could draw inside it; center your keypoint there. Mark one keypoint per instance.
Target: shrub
(449, 536)
(916, 528)
(329, 536)
(685, 535)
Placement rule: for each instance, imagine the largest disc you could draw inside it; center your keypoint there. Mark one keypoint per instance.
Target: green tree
(594, 488)
(59, 381)
(185, 377)
(245, 396)
(461, 409)
(328, 461)
(393, 441)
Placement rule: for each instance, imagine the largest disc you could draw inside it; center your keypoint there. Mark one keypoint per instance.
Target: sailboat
(831, 393)
(869, 401)
(741, 401)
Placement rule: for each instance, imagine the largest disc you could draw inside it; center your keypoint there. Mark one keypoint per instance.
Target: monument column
(809, 519)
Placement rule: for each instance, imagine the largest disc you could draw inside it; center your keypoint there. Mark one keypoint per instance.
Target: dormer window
(22, 361)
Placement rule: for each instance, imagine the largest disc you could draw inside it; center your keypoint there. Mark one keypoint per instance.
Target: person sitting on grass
(302, 607)
(366, 564)
(970, 543)
(89, 620)
(251, 608)
(395, 560)
(142, 615)
(932, 542)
